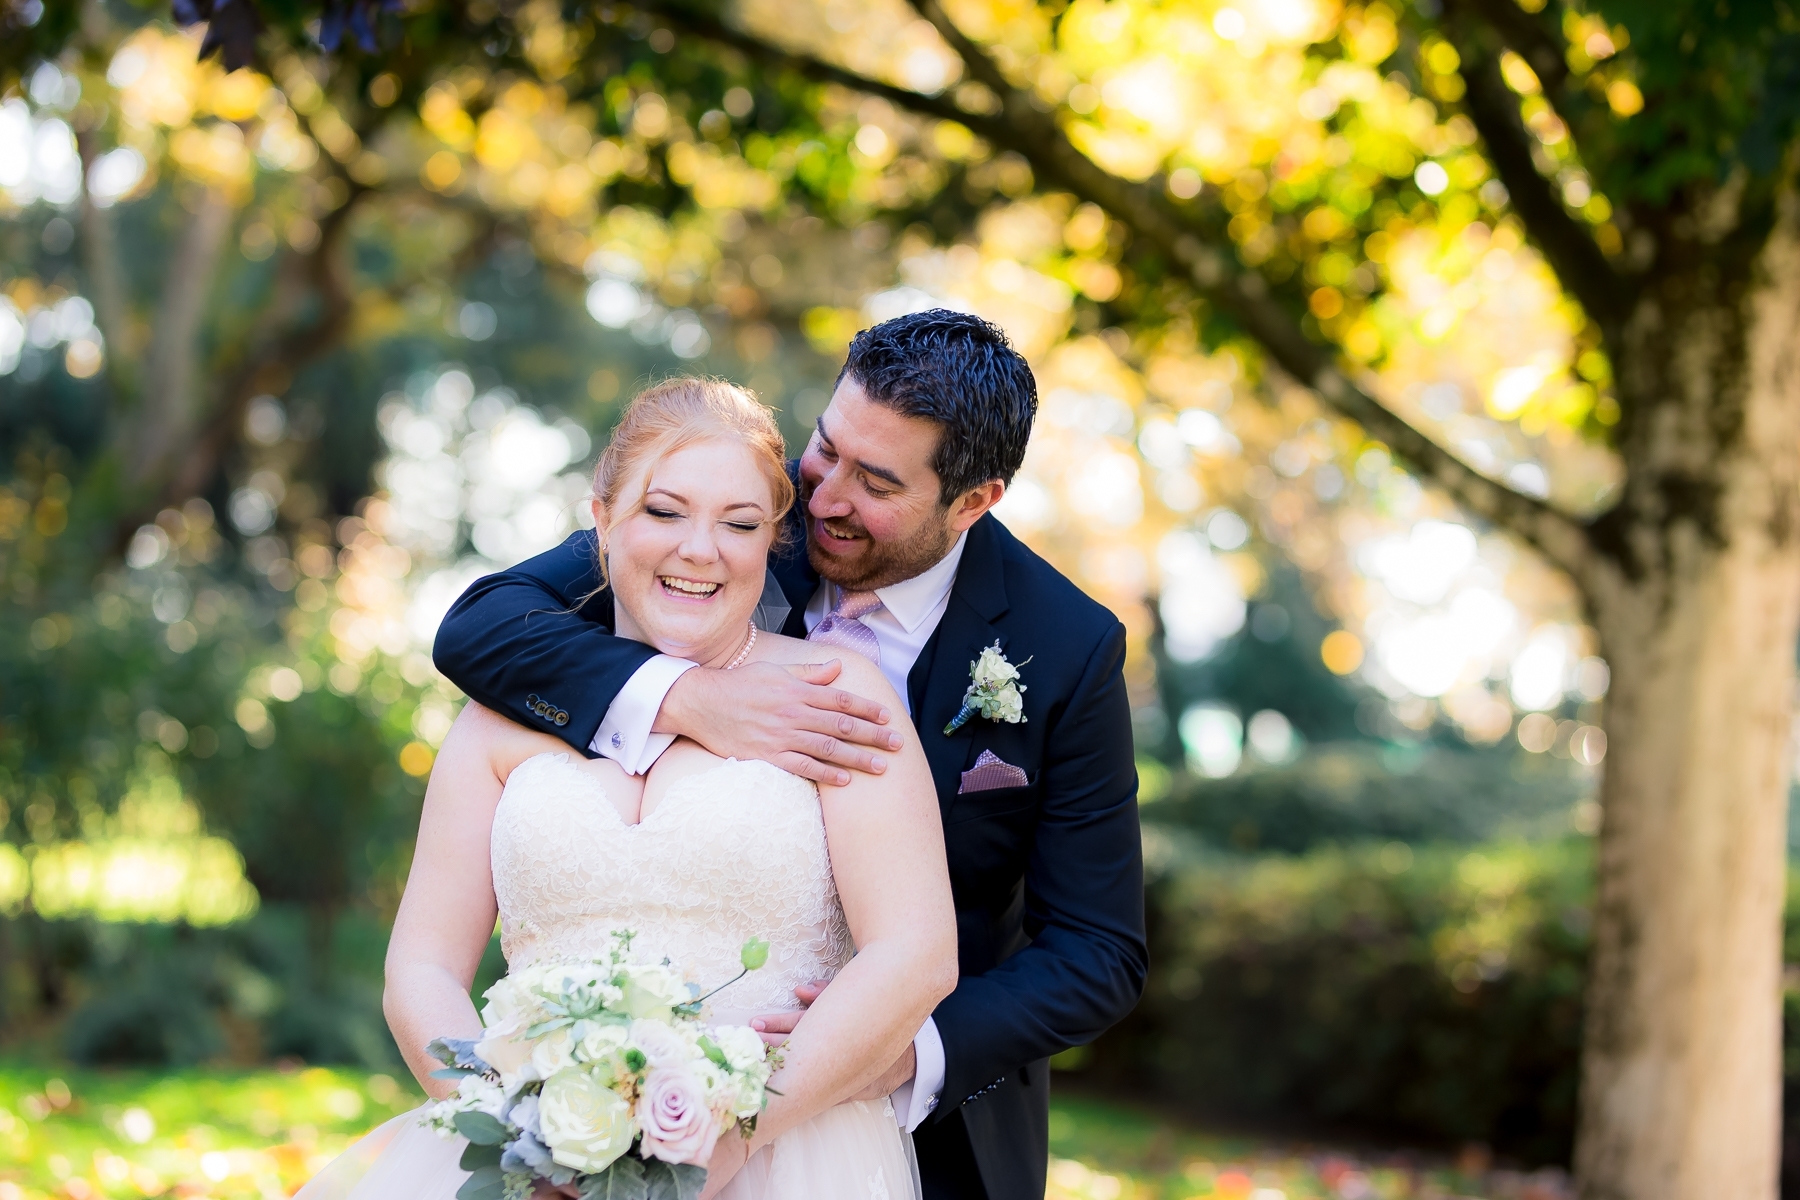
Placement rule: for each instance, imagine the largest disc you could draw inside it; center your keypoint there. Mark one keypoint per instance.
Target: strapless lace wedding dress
(732, 852)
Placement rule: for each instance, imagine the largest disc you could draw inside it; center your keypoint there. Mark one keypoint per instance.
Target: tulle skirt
(853, 1150)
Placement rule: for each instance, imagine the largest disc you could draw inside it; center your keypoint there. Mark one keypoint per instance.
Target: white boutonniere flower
(994, 691)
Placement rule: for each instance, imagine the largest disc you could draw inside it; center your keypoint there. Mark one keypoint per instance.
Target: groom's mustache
(841, 526)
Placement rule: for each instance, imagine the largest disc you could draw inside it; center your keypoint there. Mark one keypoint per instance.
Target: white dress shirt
(909, 614)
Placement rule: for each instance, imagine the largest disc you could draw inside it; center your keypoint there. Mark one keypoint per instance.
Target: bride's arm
(887, 855)
(447, 914)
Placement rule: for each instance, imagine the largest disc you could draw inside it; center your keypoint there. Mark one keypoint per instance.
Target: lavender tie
(843, 625)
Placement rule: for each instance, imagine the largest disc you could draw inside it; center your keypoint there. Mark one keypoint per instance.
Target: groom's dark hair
(961, 372)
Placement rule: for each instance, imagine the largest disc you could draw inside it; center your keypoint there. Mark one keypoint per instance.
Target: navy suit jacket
(1047, 878)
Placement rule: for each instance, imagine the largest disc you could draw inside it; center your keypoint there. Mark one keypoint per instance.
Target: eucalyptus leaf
(477, 1155)
(674, 1181)
(624, 1180)
(480, 1128)
(454, 1073)
(486, 1184)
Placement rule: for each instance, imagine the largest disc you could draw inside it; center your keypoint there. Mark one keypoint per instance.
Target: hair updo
(678, 412)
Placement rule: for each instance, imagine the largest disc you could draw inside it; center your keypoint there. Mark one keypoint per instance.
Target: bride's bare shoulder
(481, 733)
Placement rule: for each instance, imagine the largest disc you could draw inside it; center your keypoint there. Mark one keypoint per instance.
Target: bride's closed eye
(663, 514)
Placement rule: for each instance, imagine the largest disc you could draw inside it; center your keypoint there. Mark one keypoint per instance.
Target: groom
(893, 552)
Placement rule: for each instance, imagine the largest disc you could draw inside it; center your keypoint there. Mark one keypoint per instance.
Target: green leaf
(453, 1073)
(711, 1049)
(624, 1180)
(476, 1156)
(486, 1184)
(543, 1027)
(480, 1128)
(674, 1181)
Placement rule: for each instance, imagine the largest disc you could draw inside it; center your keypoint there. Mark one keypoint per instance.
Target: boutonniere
(993, 691)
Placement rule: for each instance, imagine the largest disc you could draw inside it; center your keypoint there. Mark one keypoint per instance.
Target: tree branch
(1564, 241)
(321, 275)
(1036, 135)
(106, 281)
(1530, 38)
(705, 25)
(166, 411)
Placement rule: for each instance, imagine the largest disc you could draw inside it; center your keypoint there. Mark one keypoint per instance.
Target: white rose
(505, 1049)
(552, 1052)
(742, 1045)
(1009, 706)
(600, 1041)
(992, 668)
(650, 991)
(475, 1094)
(744, 1098)
(586, 1126)
(507, 1001)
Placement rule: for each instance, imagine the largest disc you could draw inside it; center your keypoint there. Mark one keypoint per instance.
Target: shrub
(1432, 993)
(1423, 993)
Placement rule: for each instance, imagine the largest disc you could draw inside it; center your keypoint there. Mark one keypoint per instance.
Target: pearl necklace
(749, 644)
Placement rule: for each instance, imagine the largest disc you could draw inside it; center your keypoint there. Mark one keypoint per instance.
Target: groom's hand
(786, 715)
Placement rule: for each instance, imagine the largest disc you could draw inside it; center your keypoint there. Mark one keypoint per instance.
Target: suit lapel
(938, 680)
(790, 567)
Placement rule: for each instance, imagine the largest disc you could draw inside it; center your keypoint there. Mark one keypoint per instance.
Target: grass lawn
(82, 1135)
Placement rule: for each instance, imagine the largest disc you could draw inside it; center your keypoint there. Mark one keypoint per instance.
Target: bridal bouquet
(599, 1073)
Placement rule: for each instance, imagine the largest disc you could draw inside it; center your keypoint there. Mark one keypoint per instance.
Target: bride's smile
(686, 546)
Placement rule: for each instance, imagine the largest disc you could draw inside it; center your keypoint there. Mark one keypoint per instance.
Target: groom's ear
(969, 507)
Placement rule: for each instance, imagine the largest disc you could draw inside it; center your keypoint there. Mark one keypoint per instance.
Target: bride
(846, 883)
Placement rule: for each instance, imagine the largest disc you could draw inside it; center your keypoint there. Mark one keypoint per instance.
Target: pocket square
(989, 772)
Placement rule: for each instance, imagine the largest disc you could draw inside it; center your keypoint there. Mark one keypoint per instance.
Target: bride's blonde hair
(679, 412)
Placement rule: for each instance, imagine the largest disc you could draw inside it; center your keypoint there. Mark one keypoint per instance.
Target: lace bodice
(732, 852)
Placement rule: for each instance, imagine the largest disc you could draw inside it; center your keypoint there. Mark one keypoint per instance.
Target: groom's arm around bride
(928, 425)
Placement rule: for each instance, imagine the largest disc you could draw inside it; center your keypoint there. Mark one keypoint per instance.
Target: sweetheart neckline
(562, 759)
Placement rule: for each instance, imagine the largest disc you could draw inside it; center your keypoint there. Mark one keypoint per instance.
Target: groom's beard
(880, 563)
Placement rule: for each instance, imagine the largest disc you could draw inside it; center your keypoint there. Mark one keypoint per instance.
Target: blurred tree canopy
(1540, 252)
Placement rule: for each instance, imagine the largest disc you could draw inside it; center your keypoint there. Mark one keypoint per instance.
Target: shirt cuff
(917, 1097)
(625, 736)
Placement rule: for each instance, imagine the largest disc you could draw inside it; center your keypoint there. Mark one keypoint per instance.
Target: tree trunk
(1698, 606)
(168, 409)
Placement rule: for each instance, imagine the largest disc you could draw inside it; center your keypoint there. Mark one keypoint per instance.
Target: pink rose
(678, 1126)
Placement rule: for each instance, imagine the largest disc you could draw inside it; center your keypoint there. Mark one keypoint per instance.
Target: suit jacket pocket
(991, 802)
